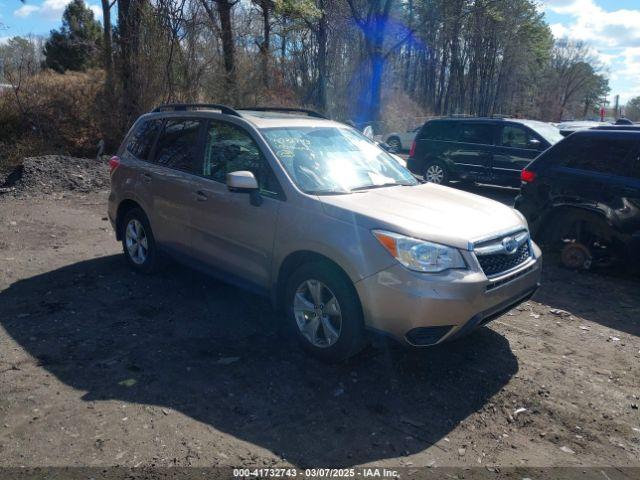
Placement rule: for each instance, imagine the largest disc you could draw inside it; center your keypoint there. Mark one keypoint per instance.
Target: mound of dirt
(57, 173)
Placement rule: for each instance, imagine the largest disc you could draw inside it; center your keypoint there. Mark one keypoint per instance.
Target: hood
(429, 212)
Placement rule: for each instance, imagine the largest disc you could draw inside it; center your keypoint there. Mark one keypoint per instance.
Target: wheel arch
(579, 213)
(294, 260)
(432, 157)
(124, 207)
(449, 171)
(396, 136)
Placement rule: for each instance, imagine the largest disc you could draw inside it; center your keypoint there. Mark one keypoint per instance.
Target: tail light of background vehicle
(114, 162)
(412, 150)
(527, 176)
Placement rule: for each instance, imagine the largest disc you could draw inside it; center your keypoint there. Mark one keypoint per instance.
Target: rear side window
(143, 138)
(445, 131)
(177, 145)
(481, 133)
(635, 168)
(612, 156)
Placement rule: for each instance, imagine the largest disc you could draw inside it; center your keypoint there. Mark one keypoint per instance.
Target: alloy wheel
(394, 145)
(136, 242)
(317, 313)
(434, 174)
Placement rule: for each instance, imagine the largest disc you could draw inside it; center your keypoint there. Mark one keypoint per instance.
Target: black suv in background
(486, 150)
(582, 198)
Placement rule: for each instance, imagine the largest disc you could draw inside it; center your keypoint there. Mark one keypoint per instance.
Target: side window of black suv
(439, 130)
(610, 156)
(635, 168)
(479, 133)
(516, 136)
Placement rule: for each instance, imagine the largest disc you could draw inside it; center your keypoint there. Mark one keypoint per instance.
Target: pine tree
(76, 46)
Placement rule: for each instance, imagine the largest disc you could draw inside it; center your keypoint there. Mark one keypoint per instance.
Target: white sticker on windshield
(285, 153)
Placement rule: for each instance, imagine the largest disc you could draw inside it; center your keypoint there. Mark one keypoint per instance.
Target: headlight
(419, 255)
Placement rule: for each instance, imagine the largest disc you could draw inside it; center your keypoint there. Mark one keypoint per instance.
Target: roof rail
(179, 107)
(495, 116)
(311, 113)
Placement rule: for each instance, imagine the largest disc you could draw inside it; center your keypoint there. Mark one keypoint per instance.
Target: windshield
(325, 160)
(550, 133)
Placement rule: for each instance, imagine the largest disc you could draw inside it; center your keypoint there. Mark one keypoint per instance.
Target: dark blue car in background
(582, 198)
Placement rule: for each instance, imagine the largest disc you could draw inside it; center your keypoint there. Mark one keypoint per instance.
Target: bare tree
(224, 9)
(107, 47)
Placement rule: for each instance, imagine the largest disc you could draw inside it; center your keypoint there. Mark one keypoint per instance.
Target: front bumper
(426, 309)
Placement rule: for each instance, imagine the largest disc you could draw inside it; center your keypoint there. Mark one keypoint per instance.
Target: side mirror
(242, 181)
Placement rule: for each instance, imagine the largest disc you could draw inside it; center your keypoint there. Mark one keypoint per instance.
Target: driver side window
(229, 148)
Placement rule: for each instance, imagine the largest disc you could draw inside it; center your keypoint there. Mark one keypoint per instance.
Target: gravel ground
(56, 173)
(101, 367)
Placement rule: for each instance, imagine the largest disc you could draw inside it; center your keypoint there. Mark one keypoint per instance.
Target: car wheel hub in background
(136, 241)
(576, 256)
(317, 313)
(434, 174)
(394, 145)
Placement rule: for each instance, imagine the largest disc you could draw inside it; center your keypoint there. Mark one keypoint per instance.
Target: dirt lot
(101, 367)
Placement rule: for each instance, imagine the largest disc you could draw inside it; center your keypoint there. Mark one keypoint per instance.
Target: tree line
(382, 62)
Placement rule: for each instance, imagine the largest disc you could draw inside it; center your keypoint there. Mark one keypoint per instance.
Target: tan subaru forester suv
(308, 211)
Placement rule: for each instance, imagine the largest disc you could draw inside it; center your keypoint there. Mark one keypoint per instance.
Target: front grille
(497, 263)
(509, 278)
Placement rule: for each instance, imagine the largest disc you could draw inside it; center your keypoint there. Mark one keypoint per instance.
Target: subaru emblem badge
(510, 245)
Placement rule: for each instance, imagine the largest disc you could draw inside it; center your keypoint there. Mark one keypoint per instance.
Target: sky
(611, 27)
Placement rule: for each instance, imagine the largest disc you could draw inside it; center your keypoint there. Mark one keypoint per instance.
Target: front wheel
(394, 144)
(324, 312)
(582, 240)
(436, 172)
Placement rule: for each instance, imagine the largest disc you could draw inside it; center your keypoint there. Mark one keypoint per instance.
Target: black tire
(351, 337)
(395, 145)
(433, 166)
(151, 262)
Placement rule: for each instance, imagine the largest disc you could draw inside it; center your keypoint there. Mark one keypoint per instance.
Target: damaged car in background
(582, 199)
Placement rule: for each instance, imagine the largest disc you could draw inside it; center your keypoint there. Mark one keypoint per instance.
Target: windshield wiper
(327, 192)
(381, 185)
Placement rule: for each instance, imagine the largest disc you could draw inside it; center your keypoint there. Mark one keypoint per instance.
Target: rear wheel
(324, 312)
(436, 172)
(138, 243)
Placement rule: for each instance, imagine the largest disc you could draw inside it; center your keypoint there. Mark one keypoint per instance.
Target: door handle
(146, 177)
(201, 196)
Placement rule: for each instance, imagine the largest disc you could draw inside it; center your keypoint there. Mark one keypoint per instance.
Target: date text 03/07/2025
(368, 472)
